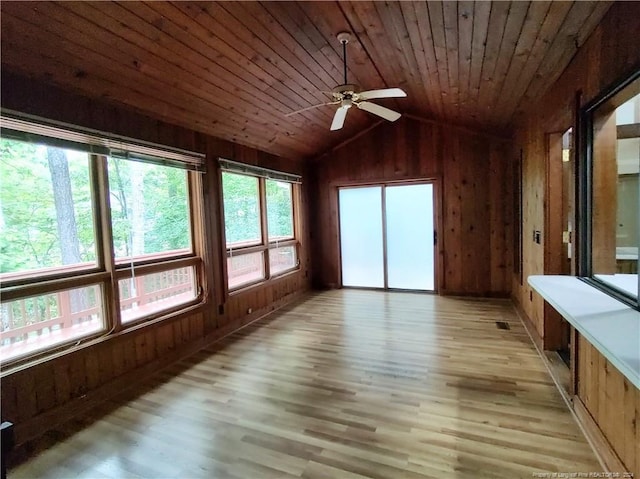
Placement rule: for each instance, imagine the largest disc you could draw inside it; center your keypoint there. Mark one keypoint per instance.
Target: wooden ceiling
(234, 69)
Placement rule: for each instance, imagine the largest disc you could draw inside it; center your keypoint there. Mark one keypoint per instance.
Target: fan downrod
(343, 38)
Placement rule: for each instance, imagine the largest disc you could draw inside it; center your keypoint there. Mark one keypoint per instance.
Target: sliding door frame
(437, 226)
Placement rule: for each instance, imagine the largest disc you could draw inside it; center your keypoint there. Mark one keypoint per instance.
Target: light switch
(537, 236)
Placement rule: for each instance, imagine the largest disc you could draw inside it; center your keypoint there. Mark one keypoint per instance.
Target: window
(78, 216)
(259, 224)
(279, 210)
(241, 210)
(150, 223)
(611, 191)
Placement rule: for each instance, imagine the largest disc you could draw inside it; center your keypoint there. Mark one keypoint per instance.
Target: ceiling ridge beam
(458, 127)
(348, 140)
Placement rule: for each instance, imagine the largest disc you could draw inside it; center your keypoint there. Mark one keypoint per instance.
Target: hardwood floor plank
(347, 383)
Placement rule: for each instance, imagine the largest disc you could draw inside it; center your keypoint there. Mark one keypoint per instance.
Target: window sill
(611, 326)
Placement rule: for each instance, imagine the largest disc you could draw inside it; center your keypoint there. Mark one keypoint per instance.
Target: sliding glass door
(410, 236)
(361, 237)
(387, 236)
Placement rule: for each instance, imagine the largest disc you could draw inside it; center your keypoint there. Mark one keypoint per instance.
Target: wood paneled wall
(473, 189)
(609, 54)
(40, 396)
(612, 401)
(37, 397)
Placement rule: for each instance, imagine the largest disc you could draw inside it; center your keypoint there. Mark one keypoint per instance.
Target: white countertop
(611, 326)
(624, 282)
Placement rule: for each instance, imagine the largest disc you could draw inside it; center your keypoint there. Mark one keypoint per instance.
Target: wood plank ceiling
(234, 69)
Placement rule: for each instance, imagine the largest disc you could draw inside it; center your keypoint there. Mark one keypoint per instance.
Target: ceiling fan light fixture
(348, 95)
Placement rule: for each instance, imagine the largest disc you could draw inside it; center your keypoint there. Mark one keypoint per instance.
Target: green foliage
(167, 225)
(28, 229)
(279, 209)
(163, 199)
(149, 207)
(241, 208)
(28, 238)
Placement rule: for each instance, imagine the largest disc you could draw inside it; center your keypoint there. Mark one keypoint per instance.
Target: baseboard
(531, 329)
(257, 315)
(482, 294)
(538, 344)
(605, 453)
(38, 425)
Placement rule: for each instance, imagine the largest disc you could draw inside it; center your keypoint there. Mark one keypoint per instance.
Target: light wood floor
(346, 384)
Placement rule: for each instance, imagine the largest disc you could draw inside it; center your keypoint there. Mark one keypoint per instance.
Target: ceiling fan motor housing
(345, 91)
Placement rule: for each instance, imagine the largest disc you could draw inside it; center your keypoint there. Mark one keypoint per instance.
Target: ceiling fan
(347, 95)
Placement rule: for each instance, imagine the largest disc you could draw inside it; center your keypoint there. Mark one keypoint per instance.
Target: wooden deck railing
(246, 268)
(36, 323)
(26, 317)
(144, 295)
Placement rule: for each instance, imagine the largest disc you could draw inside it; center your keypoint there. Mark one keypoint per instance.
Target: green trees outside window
(258, 216)
(46, 211)
(55, 206)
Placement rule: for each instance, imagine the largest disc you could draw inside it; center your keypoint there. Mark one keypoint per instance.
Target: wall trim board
(257, 315)
(604, 452)
(465, 294)
(569, 401)
(462, 128)
(531, 331)
(537, 342)
(410, 116)
(348, 140)
(384, 182)
(36, 426)
(544, 342)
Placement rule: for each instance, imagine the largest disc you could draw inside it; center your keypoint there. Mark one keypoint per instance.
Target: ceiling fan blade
(338, 118)
(381, 111)
(312, 107)
(385, 93)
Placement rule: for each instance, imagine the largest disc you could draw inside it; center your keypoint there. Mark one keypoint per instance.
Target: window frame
(265, 245)
(158, 262)
(106, 272)
(585, 193)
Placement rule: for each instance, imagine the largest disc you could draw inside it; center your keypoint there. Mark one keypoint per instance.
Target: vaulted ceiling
(235, 69)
